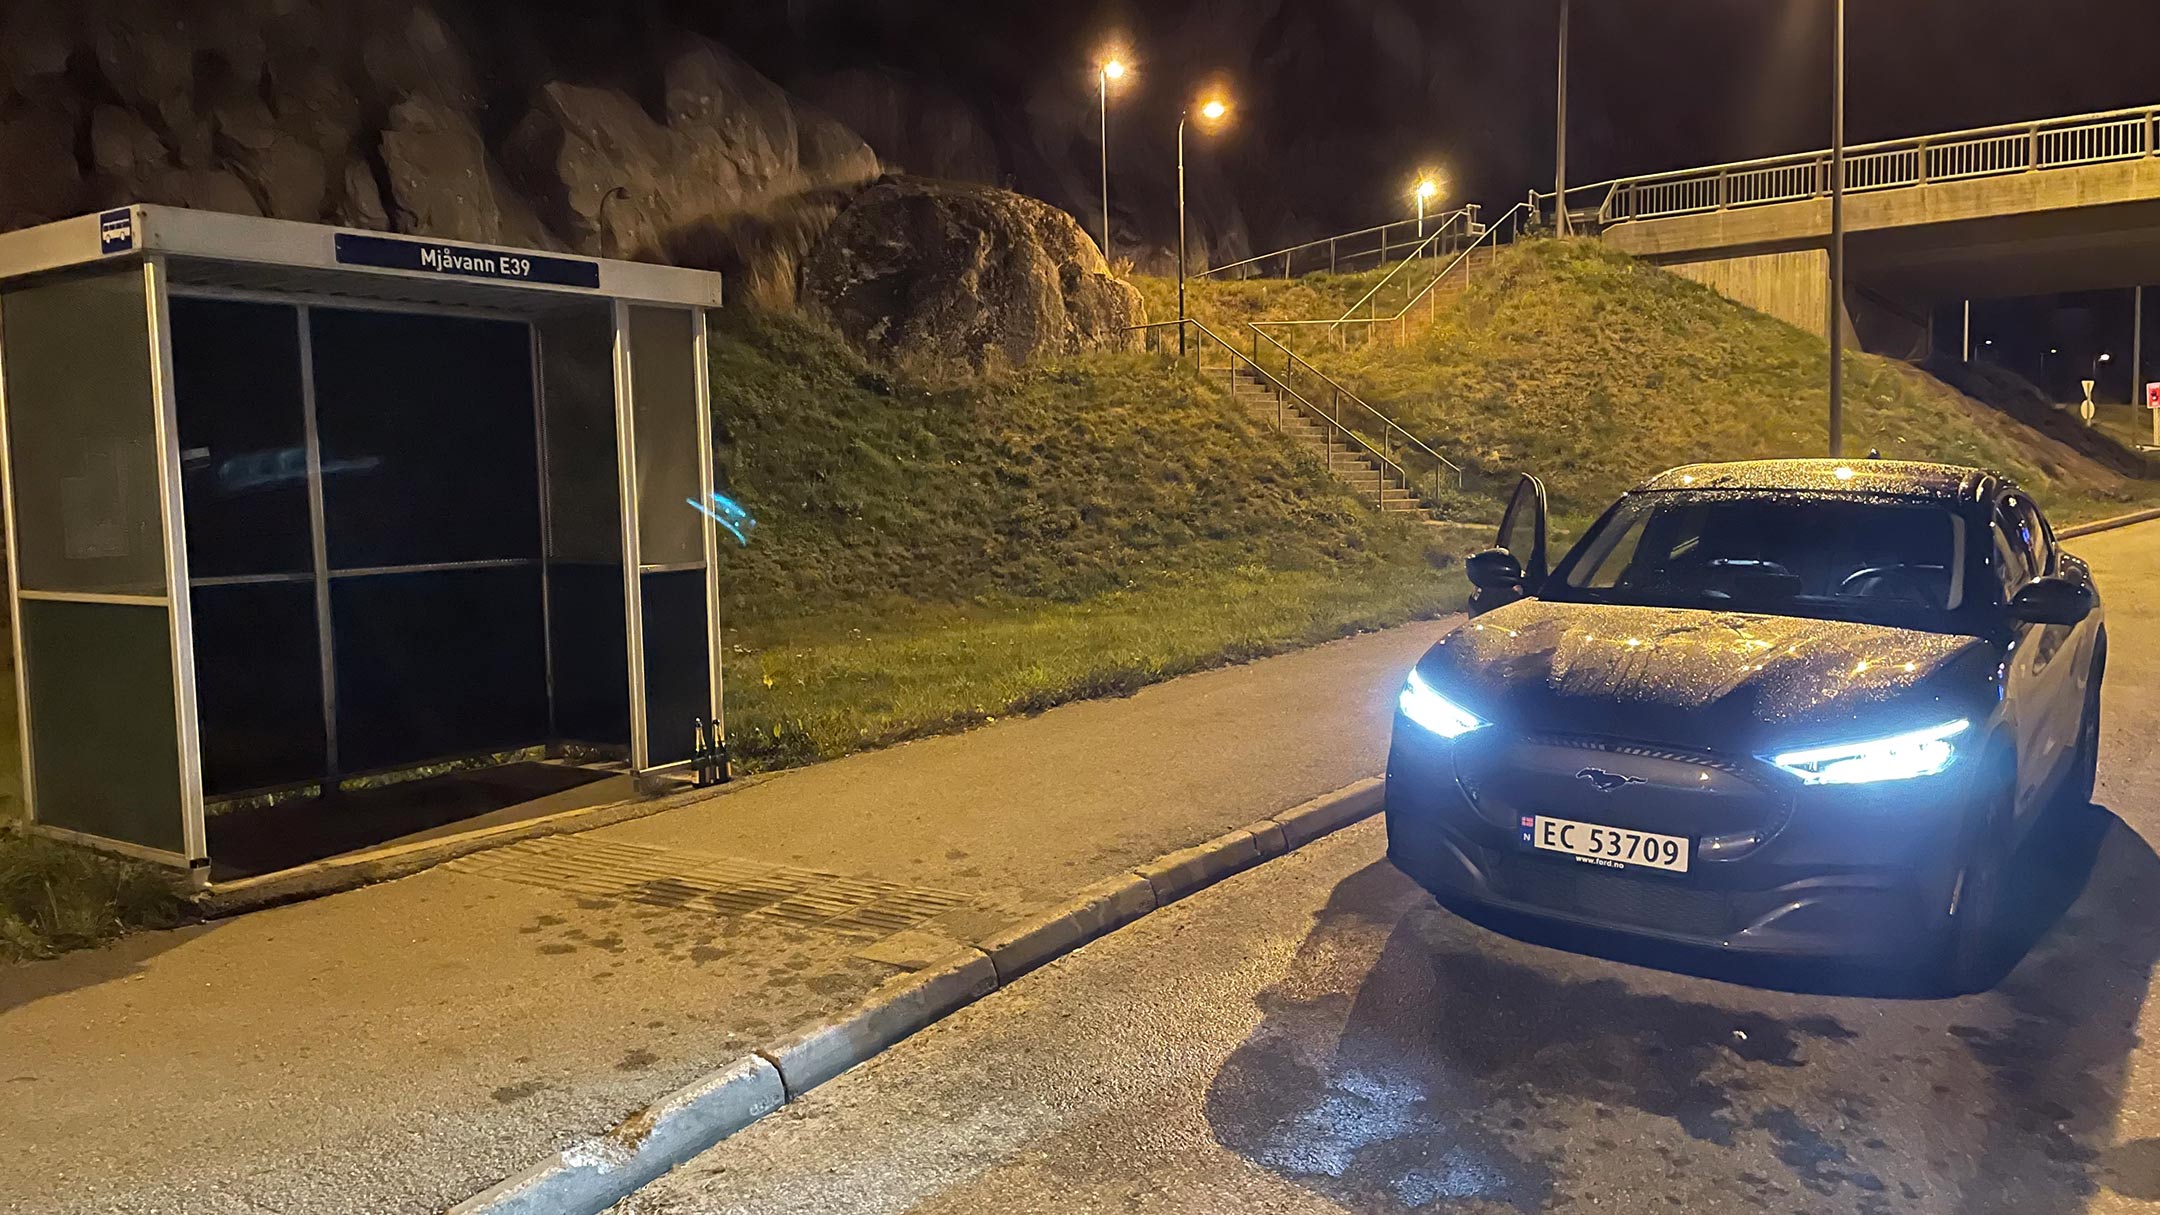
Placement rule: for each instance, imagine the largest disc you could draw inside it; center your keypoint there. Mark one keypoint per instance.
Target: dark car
(1793, 707)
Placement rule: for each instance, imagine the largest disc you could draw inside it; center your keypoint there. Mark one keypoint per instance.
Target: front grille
(1600, 894)
(1669, 790)
(1616, 746)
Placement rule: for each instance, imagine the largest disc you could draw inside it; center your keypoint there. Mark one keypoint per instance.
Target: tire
(2085, 764)
(1973, 944)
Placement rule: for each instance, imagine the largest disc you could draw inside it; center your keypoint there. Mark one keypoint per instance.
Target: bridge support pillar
(1793, 286)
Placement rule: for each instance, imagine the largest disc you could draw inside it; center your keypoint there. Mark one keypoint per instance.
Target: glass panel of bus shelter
(82, 434)
(430, 460)
(588, 648)
(428, 438)
(671, 529)
(237, 385)
(84, 469)
(243, 437)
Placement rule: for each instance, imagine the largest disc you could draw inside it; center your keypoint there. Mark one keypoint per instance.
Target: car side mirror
(1497, 578)
(1495, 569)
(2052, 600)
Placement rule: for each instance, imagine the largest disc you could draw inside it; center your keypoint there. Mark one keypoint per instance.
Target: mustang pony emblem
(1605, 781)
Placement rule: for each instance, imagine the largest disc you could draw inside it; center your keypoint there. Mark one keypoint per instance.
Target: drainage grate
(720, 885)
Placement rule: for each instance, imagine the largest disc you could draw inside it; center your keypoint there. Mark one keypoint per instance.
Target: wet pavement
(1318, 1035)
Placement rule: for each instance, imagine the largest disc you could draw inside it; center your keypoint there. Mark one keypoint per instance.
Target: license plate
(1597, 844)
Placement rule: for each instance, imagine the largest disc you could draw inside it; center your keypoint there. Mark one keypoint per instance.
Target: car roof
(1903, 478)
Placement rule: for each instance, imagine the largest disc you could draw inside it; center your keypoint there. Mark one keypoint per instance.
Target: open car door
(1516, 565)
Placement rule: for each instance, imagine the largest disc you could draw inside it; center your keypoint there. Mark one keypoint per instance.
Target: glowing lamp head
(1427, 188)
(1114, 69)
(1213, 109)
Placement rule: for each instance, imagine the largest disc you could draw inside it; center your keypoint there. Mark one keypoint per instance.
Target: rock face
(965, 272)
(552, 126)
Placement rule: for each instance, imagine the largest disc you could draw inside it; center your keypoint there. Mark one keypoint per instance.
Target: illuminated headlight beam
(728, 513)
(1428, 708)
(1896, 757)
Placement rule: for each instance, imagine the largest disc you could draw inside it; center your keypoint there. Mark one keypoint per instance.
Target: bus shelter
(288, 506)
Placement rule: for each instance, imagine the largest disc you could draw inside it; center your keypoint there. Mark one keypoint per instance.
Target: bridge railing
(1998, 151)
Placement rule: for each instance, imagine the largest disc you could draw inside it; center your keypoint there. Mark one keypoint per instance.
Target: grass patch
(934, 553)
(55, 897)
(1055, 482)
(796, 696)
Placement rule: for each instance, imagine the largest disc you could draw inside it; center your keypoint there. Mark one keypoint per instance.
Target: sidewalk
(400, 1047)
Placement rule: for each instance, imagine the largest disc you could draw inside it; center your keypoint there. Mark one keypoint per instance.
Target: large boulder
(966, 272)
(731, 146)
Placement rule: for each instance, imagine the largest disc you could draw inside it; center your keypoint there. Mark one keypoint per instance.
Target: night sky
(1341, 100)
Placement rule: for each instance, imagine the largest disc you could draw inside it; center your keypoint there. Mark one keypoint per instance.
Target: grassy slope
(932, 555)
(1595, 370)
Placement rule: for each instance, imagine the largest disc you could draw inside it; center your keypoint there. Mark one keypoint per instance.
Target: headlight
(1436, 712)
(1898, 757)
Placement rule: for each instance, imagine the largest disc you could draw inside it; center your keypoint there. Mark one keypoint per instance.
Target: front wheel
(1973, 945)
(2085, 763)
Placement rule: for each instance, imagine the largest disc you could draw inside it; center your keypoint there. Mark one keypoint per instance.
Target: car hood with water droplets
(1707, 679)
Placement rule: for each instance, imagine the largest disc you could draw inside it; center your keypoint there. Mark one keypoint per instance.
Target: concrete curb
(1188, 869)
(2108, 524)
(897, 1008)
(1103, 907)
(596, 1174)
(1331, 812)
(591, 1176)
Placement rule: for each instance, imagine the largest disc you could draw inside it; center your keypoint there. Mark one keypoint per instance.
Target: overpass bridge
(2060, 204)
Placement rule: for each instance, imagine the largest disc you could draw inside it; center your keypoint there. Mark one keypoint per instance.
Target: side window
(2043, 537)
(2013, 556)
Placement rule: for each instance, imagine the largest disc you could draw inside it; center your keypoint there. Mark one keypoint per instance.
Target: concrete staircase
(1350, 464)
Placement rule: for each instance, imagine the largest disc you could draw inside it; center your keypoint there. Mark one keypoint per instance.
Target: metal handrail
(1331, 244)
(1415, 255)
(1284, 391)
(1992, 151)
(1390, 429)
(1510, 221)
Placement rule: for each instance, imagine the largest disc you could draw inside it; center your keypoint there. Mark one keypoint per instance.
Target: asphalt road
(1317, 1035)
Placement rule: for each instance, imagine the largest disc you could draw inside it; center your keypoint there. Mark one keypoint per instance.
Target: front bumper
(1846, 872)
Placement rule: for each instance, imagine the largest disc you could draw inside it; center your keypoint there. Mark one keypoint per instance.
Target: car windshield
(1841, 556)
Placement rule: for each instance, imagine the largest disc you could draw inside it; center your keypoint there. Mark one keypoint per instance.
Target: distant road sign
(2152, 396)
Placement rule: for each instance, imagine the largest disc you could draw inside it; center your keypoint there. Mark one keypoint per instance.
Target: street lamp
(1560, 215)
(1425, 188)
(1212, 111)
(1113, 68)
(1837, 235)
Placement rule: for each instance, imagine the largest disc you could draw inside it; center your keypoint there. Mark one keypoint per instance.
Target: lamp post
(1425, 188)
(1560, 220)
(1837, 236)
(1211, 111)
(1112, 68)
